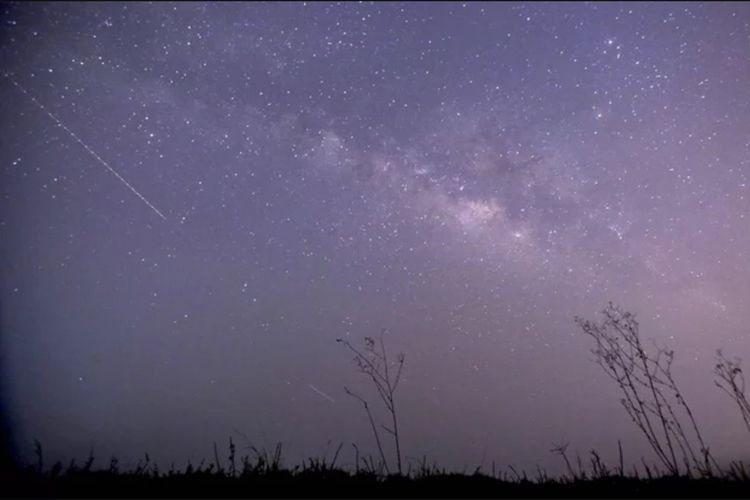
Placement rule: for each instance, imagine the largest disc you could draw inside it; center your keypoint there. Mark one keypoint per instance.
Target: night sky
(197, 200)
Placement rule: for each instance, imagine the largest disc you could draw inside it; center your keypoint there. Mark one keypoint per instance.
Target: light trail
(85, 146)
(323, 394)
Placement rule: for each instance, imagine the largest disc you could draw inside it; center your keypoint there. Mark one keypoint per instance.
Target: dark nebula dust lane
(468, 176)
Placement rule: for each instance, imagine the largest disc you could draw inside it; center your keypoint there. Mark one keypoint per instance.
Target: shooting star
(323, 394)
(79, 141)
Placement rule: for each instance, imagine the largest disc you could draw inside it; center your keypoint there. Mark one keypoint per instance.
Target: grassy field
(684, 465)
(264, 476)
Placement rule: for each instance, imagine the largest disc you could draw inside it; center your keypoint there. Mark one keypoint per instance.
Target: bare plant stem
(731, 380)
(651, 397)
(372, 424)
(374, 363)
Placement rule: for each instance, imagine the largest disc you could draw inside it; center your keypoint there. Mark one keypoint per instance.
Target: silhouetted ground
(331, 482)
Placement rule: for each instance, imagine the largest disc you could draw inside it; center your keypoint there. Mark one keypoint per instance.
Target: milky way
(468, 176)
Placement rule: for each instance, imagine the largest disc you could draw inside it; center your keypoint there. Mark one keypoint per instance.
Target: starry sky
(198, 199)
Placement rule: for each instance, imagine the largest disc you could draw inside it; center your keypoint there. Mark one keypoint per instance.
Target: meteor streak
(79, 141)
(323, 394)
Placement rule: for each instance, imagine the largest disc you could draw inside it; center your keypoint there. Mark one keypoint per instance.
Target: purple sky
(468, 176)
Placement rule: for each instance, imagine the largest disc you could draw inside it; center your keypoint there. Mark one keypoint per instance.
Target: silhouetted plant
(651, 399)
(738, 472)
(732, 381)
(266, 462)
(600, 470)
(219, 468)
(232, 449)
(141, 468)
(57, 469)
(320, 477)
(561, 449)
(374, 363)
(39, 456)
